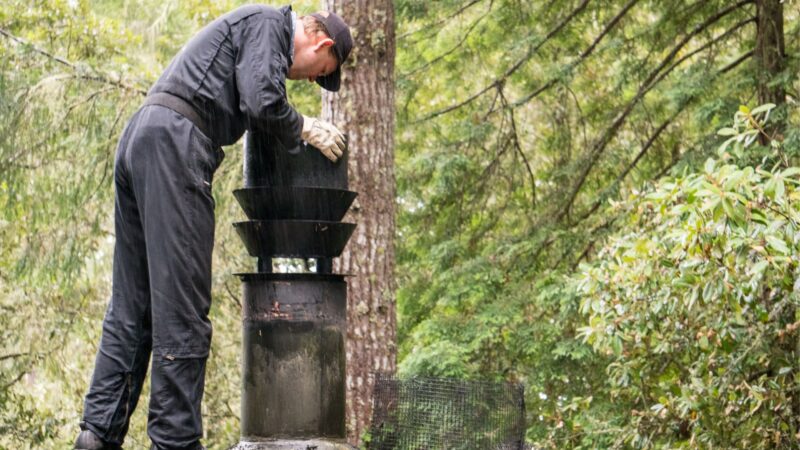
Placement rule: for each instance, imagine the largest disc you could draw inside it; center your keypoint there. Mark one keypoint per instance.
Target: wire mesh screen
(438, 414)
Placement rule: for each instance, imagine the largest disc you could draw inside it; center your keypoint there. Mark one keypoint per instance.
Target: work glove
(324, 136)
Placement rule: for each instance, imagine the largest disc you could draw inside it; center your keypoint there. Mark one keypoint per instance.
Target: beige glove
(324, 136)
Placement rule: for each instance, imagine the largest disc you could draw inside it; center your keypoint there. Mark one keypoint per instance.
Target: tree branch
(704, 47)
(650, 141)
(12, 382)
(452, 49)
(435, 25)
(590, 246)
(98, 77)
(646, 86)
(518, 148)
(13, 355)
(737, 61)
(654, 137)
(585, 54)
(233, 296)
(499, 81)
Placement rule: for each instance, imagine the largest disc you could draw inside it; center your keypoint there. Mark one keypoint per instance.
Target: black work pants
(161, 289)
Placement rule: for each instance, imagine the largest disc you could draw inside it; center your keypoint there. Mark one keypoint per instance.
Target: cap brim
(331, 82)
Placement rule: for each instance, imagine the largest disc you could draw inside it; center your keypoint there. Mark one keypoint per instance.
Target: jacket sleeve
(261, 69)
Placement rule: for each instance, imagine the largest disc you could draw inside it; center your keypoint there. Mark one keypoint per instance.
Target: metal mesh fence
(438, 414)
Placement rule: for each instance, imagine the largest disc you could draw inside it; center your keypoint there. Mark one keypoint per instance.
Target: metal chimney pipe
(294, 360)
(294, 324)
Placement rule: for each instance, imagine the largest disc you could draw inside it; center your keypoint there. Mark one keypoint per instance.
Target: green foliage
(66, 92)
(526, 132)
(519, 123)
(56, 153)
(695, 303)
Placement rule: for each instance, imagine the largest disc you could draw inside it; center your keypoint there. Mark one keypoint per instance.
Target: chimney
(294, 324)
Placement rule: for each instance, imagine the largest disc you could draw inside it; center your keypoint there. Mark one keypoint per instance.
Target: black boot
(90, 441)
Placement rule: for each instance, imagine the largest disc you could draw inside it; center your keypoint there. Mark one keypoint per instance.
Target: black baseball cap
(342, 44)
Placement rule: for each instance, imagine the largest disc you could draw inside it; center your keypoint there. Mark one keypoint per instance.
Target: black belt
(181, 107)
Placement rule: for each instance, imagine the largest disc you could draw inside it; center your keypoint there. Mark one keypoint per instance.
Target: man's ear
(323, 44)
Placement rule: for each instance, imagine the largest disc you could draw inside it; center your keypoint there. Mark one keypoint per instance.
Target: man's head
(321, 45)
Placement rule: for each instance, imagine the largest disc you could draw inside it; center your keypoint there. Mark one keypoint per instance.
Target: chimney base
(279, 444)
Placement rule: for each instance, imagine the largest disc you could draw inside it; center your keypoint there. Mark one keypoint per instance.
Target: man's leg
(172, 165)
(124, 351)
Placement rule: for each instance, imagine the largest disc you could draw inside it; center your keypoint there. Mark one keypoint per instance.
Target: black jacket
(234, 73)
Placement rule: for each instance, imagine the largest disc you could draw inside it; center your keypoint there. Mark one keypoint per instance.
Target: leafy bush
(695, 302)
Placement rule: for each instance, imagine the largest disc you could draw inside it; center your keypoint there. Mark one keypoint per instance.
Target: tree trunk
(364, 110)
(770, 56)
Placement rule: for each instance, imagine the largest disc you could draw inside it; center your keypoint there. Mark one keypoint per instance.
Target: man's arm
(261, 69)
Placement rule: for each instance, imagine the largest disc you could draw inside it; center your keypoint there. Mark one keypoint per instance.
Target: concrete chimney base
(281, 444)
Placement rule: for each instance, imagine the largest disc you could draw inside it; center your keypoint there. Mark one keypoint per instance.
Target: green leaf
(791, 171)
(709, 165)
(657, 407)
(725, 145)
(780, 189)
(616, 345)
(759, 267)
(762, 108)
(759, 216)
(778, 245)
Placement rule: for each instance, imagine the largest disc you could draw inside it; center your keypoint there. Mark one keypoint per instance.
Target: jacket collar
(288, 28)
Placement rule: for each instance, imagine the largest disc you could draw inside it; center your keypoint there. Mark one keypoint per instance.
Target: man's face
(313, 60)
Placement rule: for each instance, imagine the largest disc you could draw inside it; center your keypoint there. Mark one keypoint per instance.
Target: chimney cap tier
(299, 276)
(268, 163)
(294, 202)
(294, 238)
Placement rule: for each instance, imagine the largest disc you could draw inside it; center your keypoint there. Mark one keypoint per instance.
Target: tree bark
(364, 110)
(770, 59)
(770, 56)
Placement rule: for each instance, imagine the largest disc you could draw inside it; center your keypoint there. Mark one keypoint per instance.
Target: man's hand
(324, 136)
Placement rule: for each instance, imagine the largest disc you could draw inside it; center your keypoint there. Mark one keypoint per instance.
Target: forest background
(588, 201)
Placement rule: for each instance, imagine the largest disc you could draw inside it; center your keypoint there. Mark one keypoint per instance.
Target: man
(228, 78)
